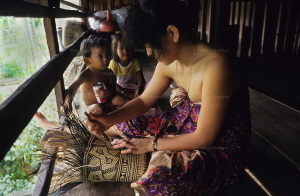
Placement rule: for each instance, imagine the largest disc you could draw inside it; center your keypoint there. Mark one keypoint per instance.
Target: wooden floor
(275, 156)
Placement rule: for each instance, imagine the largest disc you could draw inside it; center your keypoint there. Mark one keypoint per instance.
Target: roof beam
(26, 9)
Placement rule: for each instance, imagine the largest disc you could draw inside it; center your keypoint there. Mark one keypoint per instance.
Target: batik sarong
(199, 171)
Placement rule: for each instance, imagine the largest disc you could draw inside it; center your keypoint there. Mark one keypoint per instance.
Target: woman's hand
(135, 146)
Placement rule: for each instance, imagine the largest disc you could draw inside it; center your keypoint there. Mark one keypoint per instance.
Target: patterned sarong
(199, 171)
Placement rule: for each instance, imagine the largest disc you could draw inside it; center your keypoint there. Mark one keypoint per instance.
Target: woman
(203, 147)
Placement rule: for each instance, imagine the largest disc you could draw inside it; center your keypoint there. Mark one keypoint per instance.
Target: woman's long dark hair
(149, 19)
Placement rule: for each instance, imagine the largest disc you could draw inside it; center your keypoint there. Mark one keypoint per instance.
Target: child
(96, 55)
(130, 79)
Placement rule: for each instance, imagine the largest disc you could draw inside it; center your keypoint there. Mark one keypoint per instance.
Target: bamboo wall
(254, 28)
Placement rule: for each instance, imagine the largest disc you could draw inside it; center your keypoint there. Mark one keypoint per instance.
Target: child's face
(99, 58)
(123, 53)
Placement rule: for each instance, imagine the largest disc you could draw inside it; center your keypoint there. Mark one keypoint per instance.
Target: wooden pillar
(85, 20)
(51, 35)
(257, 28)
(271, 26)
(221, 22)
(101, 5)
(97, 5)
(291, 27)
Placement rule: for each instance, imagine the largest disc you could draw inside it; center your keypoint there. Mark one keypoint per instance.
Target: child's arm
(141, 83)
(72, 89)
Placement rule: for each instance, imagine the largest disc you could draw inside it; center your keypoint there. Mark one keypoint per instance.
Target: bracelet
(154, 144)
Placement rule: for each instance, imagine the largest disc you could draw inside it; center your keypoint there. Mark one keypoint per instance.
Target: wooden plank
(276, 123)
(233, 39)
(97, 5)
(24, 102)
(25, 9)
(233, 12)
(245, 44)
(108, 4)
(257, 28)
(103, 189)
(285, 7)
(245, 187)
(91, 5)
(51, 35)
(71, 4)
(296, 46)
(221, 25)
(291, 27)
(204, 21)
(213, 21)
(45, 173)
(270, 29)
(276, 173)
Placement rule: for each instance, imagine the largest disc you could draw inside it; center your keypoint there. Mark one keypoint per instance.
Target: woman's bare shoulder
(218, 65)
(167, 70)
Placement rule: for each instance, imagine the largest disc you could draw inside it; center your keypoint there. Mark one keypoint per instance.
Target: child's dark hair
(92, 42)
(114, 46)
(149, 19)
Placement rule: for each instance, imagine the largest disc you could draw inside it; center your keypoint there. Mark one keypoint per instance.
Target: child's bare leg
(119, 100)
(96, 109)
(43, 122)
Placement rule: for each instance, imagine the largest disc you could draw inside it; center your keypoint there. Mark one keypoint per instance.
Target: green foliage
(21, 160)
(23, 46)
(11, 70)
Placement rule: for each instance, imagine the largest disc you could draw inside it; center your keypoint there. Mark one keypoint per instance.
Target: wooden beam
(51, 35)
(257, 28)
(18, 109)
(71, 5)
(271, 26)
(108, 4)
(25, 9)
(85, 20)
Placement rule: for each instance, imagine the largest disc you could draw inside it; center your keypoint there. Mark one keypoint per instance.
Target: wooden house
(252, 29)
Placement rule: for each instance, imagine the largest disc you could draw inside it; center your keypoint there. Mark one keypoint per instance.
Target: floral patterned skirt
(188, 172)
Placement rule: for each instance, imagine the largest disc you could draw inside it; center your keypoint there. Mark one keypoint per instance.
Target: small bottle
(97, 86)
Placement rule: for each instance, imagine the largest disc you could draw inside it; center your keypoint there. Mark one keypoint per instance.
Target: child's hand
(138, 92)
(103, 92)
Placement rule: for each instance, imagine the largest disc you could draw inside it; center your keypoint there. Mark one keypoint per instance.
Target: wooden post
(291, 27)
(51, 35)
(270, 29)
(97, 5)
(257, 28)
(285, 7)
(204, 21)
(221, 23)
(108, 5)
(101, 5)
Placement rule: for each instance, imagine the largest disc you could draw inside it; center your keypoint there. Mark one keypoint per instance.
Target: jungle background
(23, 50)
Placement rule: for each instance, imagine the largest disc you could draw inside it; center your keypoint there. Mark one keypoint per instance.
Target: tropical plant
(11, 70)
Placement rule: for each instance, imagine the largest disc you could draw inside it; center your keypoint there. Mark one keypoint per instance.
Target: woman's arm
(138, 106)
(216, 91)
